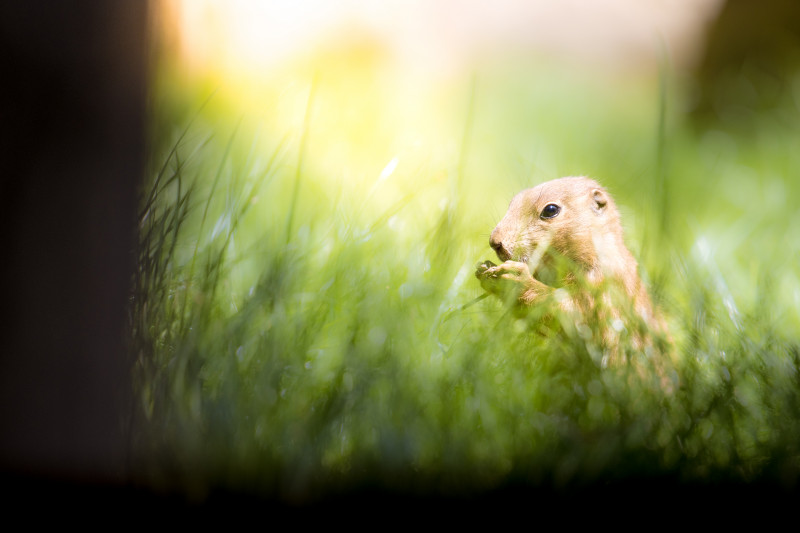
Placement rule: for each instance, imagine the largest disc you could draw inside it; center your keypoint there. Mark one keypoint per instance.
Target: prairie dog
(568, 218)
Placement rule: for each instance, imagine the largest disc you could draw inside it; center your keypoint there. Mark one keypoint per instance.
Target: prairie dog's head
(574, 217)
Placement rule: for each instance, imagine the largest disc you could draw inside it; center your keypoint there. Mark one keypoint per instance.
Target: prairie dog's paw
(511, 277)
(481, 268)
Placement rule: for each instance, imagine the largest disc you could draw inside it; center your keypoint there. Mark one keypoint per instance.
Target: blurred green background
(311, 221)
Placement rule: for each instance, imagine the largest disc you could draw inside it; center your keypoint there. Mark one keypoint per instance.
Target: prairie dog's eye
(550, 211)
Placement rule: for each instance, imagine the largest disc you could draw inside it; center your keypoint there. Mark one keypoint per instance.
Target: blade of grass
(214, 185)
(301, 154)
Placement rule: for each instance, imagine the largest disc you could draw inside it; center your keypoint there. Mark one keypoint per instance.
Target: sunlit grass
(297, 315)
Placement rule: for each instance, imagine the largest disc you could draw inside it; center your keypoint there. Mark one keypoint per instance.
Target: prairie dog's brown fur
(574, 218)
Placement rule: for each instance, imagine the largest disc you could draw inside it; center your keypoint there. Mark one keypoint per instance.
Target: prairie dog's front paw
(511, 277)
(480, 268)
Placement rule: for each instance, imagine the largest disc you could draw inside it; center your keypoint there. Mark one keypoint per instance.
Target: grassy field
(307, 244)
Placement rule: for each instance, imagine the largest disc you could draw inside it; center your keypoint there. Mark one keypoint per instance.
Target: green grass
(297, 321)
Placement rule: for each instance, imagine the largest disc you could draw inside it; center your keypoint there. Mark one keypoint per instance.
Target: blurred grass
(334, 359)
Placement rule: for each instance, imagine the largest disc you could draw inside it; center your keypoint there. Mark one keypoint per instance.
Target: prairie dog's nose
(497, 245)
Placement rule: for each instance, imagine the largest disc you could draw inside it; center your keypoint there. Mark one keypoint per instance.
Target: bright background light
(441, 35)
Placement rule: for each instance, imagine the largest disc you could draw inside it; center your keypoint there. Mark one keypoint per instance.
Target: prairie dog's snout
(497, 245)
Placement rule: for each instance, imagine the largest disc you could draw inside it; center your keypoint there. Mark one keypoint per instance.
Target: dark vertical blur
(72, 102)
(750, 63)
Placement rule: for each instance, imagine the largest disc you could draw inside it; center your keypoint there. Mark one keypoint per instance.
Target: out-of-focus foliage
(297, 314)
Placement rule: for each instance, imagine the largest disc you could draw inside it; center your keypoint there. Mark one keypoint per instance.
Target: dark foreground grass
(340, 358)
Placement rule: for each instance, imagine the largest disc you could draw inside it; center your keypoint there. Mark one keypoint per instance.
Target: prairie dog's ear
(599, 201)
